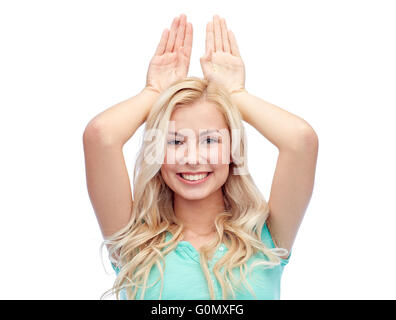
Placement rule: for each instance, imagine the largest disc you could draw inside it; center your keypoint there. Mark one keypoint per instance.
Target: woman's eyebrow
(201, 134)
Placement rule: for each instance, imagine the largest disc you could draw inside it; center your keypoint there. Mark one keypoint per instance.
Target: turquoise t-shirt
(185, 280)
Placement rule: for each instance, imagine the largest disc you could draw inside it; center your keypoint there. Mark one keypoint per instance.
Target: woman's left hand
(222, 61)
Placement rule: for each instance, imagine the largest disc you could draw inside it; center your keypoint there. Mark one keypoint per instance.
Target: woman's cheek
(224, 153)
(170, 155)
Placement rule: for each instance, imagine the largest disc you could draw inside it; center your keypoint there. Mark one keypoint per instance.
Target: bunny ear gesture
(171, 60)
(222, 61)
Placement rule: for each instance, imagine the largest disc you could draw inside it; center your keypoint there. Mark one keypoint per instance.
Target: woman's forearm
(118, 123)
(284, 129)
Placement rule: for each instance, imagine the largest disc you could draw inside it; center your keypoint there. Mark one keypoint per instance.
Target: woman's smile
(193, 179)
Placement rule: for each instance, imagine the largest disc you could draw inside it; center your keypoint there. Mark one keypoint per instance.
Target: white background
(329, 62)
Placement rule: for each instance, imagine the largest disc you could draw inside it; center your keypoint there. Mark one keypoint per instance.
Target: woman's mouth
(193, 178)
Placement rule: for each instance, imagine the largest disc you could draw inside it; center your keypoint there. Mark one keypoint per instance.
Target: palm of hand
(167, 68)
(172, 58)
(225, 68)
(222, 61)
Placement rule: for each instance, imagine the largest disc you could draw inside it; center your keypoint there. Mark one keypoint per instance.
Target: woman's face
(197, 153)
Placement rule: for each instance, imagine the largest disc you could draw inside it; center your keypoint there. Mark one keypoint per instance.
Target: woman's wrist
(151, 90)
(148, 95)
(238, 97)
(241, 90)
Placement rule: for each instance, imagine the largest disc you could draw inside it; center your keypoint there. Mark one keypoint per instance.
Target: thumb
(204, 62)
(207, 56)
(204, 58)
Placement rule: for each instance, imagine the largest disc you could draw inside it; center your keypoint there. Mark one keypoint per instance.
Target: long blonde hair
(140, 245)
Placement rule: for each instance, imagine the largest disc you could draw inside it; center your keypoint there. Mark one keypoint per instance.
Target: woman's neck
(198, 216)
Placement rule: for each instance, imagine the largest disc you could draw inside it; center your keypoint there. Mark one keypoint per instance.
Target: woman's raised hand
(222, 61)
(171, 60)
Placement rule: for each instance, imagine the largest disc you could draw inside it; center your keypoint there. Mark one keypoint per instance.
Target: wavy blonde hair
(140, 245)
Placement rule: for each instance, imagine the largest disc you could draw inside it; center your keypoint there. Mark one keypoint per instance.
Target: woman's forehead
(203, 115)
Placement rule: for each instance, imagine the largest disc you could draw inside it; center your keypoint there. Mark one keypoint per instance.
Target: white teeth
(195, 176)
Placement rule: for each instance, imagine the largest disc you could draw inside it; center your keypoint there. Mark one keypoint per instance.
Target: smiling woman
(197, 226)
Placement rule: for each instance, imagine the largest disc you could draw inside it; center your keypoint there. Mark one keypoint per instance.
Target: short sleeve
(116, 269)
(268, 241)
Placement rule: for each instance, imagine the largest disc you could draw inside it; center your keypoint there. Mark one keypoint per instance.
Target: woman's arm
(107, 177)
(106, 173)
(294, 175)
(117, 124)
(295, 139)
(284, 129)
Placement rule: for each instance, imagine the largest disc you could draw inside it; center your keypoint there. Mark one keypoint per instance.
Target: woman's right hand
(171, 60)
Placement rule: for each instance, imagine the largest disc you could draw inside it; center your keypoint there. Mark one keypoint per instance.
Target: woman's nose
(195, 154)
(192, 154)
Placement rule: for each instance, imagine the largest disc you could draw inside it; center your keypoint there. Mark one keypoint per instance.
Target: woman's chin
(192, 194)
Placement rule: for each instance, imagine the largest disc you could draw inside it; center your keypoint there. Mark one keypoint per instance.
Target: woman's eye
(174, 142)
(211, 139)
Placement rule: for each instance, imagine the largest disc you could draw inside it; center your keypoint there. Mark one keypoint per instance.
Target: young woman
(197, 226)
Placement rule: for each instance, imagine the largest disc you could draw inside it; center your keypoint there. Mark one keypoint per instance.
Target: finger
(224, 35)
(172, 35)
(162, 44)
(180, 31)
(233, 43)
(188, 39)
(217, 33)
(209, 38)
